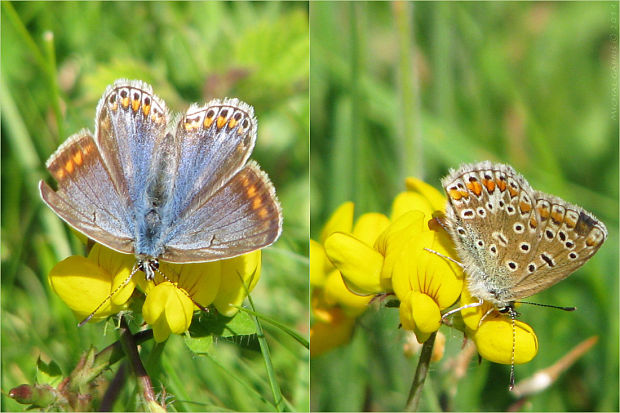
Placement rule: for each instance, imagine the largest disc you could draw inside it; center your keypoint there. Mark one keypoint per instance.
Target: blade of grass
(264, 348)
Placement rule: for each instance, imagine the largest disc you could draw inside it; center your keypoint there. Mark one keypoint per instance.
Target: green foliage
(57, 59)
(414, 89)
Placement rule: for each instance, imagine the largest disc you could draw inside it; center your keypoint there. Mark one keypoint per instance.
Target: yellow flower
(84, 283)
(334, 305)
(170, 302)
(424, 282)
(333, 330)
(239, 277)
(171, 298)
(493, 334)
(419, 196)
(398, 261)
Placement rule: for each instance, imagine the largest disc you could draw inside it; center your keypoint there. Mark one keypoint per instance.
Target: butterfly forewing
(130, 122)
(215, 141)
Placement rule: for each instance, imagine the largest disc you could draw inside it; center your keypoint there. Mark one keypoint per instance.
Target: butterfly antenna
(470, 305)
(549, 306)
(444, 257)
(116, 290)
(513, 314)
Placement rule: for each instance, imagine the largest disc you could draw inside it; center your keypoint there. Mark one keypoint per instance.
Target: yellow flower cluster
(381, 255)
(85, 282)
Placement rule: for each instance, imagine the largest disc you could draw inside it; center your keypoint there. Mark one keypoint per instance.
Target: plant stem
(142, 378)
(420, 374)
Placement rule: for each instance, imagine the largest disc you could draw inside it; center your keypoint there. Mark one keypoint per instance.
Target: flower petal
(201, 280)
(494, 340)
(420, 314)
(425, 312)
(84, 283)
(239, 276)
(168, 309)
(326, 336)
(436, 199)
(359, 264)
(318, 264)
(369, 226)
(336, 293)
(120, 266)
(393, 240)
(473, 315)
(340, 221)
(410, 201)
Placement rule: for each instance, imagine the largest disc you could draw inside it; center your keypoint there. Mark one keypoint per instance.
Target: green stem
(355, 64)
(411, 156)
(415, 393)
(264, 348)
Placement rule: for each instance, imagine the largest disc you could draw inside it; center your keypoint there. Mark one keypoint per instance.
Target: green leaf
(198, 345)
(206, 326)
(48, 373)
(214, 323)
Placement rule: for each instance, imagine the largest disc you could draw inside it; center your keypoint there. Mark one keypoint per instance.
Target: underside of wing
(570, 236)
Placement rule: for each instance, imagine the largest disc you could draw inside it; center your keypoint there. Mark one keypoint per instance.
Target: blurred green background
(414, 89)
(57, 59)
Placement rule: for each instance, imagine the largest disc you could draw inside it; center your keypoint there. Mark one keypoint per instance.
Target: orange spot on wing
(251, 191)
(475, 187)
(232, 123)
(513, 192)
(489, 185)
(455, 194)
(501, 184)
(543, 211)
(146, 109)
(557, 217)
(125, 102)
(77, 158)
(221, 121)
(135, 104)
(257, 203)
(59, 174)
(208, 122)
(533, 222)
(525, 207)
(69, 166)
